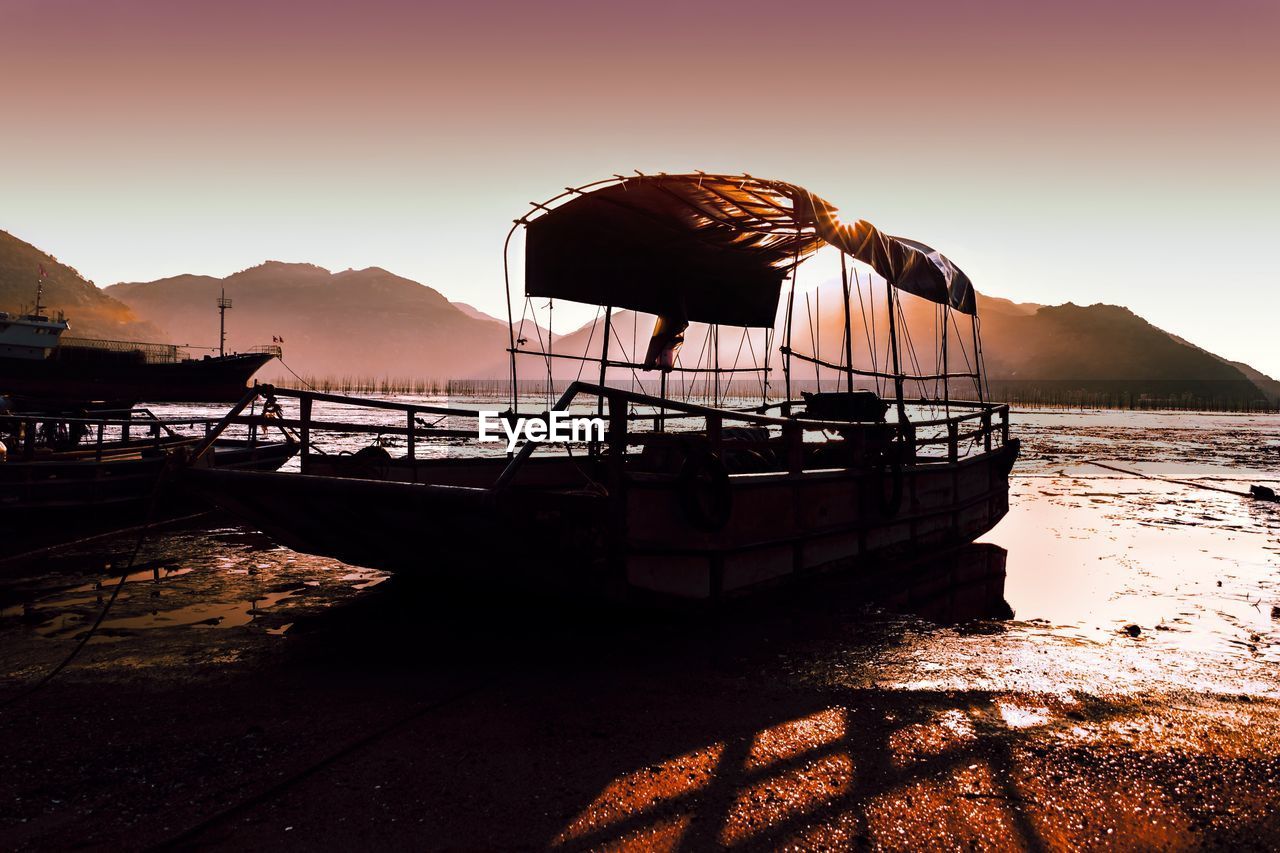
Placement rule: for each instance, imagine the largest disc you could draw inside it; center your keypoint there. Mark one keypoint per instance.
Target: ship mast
(39, 291)
(223, 304)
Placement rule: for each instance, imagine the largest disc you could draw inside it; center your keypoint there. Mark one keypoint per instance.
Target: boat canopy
(710, 248)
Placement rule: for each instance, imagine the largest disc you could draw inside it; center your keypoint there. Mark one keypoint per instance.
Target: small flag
(274, 339)
(42, 272)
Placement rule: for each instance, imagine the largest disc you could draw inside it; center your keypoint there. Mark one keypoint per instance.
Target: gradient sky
(1086, 152)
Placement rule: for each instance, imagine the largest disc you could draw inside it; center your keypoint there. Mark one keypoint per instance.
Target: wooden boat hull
(47, 501)
(440, 532)
(784, 526)
(642, 538)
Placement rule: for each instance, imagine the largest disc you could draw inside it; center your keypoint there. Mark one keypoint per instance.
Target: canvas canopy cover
(710, 248)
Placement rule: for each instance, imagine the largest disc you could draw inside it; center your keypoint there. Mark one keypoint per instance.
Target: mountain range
(372, 323)
(92, 312)
(354, 323)
(1067, 348)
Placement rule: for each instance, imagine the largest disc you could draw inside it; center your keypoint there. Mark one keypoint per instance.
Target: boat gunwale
(618, 437)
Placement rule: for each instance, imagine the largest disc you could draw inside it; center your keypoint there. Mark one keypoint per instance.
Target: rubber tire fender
(889, 505)
(704, 489)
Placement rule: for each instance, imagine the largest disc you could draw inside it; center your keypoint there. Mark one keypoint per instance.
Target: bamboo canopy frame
(717, 249)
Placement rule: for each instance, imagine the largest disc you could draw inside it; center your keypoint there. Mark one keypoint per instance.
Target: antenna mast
(223, 304)
(39, 290)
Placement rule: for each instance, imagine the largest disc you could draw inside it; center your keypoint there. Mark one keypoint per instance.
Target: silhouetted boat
(678, 499)
(65, 477)
(964, 584)
(40, 367)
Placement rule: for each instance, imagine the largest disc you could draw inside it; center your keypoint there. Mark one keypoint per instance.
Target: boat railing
(992, 418)
(109, 432)
(149, 352)
(981, 425)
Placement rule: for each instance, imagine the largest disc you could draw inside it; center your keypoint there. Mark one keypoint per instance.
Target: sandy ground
(816, 721)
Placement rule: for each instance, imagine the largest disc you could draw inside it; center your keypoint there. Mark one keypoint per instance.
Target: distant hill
(371, 323)
(524, 328)
(357, 323)
(1092, 342)
(1067, 351)
(1265, 383)
(91, 312)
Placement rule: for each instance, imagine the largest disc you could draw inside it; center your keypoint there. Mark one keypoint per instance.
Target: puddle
(194, 581)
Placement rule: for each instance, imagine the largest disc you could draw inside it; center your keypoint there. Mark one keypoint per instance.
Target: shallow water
(1092, 552)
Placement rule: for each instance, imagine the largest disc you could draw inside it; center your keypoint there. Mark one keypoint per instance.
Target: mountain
(1030, 351)
(476, 314)
(524, 328)
(356, 323)
(90, 312)
(371, 323)
(1092, 342)
(1264, 383)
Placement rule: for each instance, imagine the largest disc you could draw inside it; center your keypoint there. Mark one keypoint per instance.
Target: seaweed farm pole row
(1021, 394)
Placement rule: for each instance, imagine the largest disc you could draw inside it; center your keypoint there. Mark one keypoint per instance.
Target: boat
(42, 367)
(66, 477)
(678, 499)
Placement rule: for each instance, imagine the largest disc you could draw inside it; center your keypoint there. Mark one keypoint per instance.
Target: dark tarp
(906, 264)
(710, 249)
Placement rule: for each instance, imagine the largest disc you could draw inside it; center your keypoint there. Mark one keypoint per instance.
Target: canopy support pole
(977, 356)
(715, 362)
(604, 358)
(768, 343)
(946, 382)
(662, 392)
(511, 322)
(893, 346)
(786, 335)
(551, 380)
(848, 326)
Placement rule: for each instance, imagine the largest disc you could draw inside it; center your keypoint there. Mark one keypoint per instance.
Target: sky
(1088, 152)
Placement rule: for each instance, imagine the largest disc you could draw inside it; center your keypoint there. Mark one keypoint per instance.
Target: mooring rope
(115, 593)
(310, 387)
(1192, 483)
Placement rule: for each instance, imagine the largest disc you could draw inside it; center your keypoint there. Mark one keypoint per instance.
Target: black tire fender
(704, 491)
(891, 502)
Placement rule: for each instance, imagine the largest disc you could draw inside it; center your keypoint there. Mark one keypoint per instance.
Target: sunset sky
(1086, 151)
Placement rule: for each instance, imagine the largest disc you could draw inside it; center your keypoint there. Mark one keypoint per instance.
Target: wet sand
(341, 710)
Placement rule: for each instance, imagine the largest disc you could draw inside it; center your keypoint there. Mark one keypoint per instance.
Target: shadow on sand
(402, 720)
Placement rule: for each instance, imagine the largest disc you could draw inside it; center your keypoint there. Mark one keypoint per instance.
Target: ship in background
(41, 367)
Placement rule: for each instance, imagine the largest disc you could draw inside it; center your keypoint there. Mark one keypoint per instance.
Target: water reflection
(220, 578)
(959, 586)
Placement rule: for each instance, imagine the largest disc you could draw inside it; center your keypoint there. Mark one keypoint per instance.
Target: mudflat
(1104, 675)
